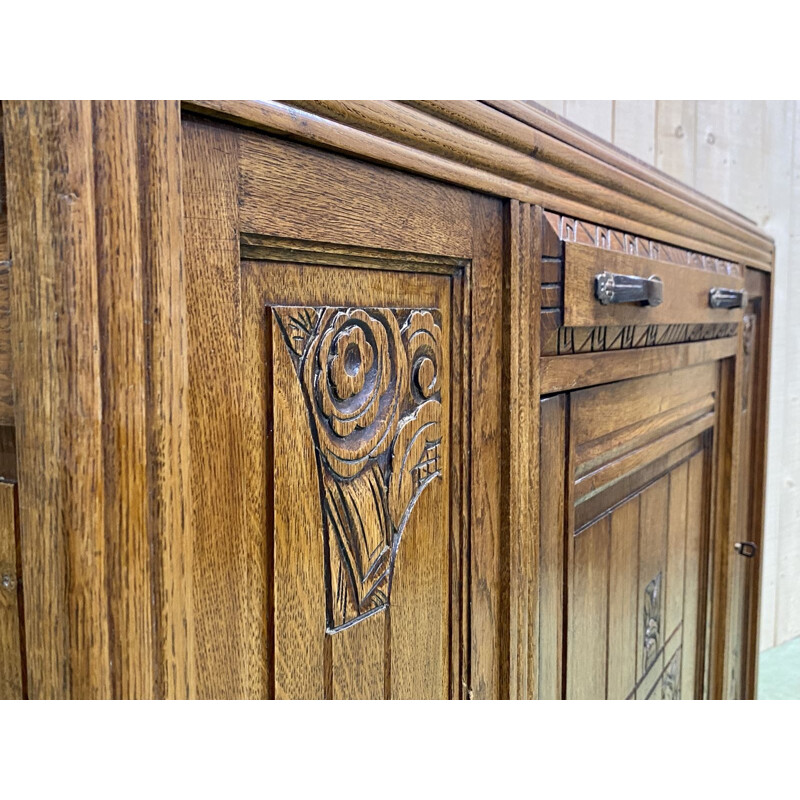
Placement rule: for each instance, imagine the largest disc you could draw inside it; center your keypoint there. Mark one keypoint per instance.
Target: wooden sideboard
(372, 400)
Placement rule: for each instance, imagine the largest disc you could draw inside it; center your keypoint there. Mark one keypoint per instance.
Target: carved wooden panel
(354, 483)
(639, 453)
(371, 385)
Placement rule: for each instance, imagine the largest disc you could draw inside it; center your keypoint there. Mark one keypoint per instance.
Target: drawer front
(685, 292)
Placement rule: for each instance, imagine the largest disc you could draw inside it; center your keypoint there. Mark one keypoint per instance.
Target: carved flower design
(355, 377)
(421, 336)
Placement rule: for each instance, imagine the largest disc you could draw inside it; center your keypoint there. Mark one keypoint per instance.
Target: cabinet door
(626, 473)
(345, 359)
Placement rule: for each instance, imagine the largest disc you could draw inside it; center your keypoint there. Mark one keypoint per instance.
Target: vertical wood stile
(12, 662)
(489, 483)
(97, 325)
(58, 414)
(523, 265)
(551, 577)
(167, 383)
(122, 379)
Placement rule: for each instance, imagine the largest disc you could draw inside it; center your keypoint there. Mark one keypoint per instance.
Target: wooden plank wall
(745, 154)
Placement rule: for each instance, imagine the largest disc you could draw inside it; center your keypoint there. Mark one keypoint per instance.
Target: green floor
(779, 672)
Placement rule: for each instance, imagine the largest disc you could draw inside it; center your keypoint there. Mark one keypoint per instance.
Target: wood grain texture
(58, 414)
(12, 638)
(588, 614)
(694, 598)
(676, 548)
(623, 600)
(685, 290)
(552, 538)
(166, 395)
(489, 488)
(123, 412)
(227, 576)
(560, 373)
(640, 217)
(524, 433)
(744, 153)
(457, 142)
(98, 427)
(6, 380)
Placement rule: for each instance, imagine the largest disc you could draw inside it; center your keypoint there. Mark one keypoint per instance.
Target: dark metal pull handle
(612, 288)
(727, 298)
(746, 549)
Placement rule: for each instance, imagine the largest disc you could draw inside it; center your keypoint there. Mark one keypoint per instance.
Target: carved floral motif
(371, 383)
(652, 621)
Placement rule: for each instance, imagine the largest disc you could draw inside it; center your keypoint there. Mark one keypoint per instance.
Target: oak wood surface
(185, 528)
(553, 451)
(636, 545)
(637, 217)
(94, 213)
(12, 639)
(57, 381)
(350, 226)
(560, 373)
(685, 290)
(6, 379)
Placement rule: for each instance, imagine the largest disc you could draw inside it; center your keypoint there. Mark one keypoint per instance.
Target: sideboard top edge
(732, 236)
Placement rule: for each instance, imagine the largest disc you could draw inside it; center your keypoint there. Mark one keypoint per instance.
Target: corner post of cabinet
(97, 318)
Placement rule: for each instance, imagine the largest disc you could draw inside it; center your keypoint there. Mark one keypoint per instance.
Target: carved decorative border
(570, 229)
(570, 341)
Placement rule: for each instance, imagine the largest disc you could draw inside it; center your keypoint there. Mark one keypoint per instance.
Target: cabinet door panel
(359, 460)
(636, 540)
(345, 364)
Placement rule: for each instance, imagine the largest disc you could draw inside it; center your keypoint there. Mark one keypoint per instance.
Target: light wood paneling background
(745, 154)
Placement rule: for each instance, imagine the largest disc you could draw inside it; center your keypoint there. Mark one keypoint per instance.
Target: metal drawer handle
(727, 298)
(746, 549)
(612, 288)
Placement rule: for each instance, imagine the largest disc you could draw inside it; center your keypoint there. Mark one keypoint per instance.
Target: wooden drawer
(685, 290)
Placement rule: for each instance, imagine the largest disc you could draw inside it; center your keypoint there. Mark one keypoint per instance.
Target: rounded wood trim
(513, 149)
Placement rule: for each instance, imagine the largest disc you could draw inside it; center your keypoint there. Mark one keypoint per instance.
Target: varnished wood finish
(57, 381)
(571, 372)
(389, 134)
(313, 399)
(97, 429)
(636, 543)
(6, 380)
(340, 246)
(685, 290)
(12, 638)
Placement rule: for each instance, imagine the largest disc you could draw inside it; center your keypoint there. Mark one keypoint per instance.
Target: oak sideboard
(332, 400)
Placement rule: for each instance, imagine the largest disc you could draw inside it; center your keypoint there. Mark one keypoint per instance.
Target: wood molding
(565, 373)
(515, 151)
